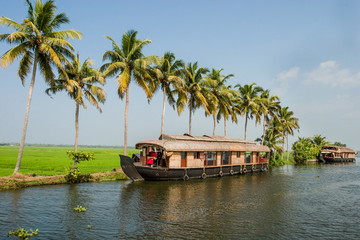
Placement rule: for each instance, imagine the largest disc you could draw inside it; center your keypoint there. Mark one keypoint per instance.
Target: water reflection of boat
(336, 154)
(184, 157)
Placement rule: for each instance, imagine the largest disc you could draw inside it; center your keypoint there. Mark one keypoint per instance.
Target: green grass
(54, 160)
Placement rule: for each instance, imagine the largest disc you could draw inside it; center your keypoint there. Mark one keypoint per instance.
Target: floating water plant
(23, 233)
(80, 209)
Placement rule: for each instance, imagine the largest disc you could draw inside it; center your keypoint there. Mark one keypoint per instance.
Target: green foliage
(339, 144)
(305, 149)
(22, 233)
(74, 176)
(80, 209)
(80, 156)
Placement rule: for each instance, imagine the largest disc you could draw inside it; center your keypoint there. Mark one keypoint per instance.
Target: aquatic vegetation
(22, 233)
(80, 209)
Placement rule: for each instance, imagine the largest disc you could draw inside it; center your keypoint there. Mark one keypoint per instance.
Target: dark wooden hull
(336, 160)
(166, 174)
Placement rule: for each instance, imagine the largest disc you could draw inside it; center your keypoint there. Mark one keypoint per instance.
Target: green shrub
(74, 176)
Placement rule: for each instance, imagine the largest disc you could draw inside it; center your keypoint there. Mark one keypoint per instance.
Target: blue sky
(307, 52)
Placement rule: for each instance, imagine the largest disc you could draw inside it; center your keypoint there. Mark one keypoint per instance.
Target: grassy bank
(28, 180)
(281, 162)
(47, 161)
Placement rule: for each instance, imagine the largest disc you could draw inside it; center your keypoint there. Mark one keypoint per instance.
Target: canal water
(290, 202)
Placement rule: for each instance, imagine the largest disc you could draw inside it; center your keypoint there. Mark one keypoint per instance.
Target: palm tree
(289, 124)
(319, 141)
(166, 75)
(249, 96)
(269, 107)
(273, 136)
(81, 83)
(128, 62)
(220, 96)
(194, 93)
(37, 43)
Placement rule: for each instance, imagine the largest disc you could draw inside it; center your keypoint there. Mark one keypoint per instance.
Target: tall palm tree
(249, 96)
(127, 62)
(194, 93)
(273, 136)
(219, 99)
(289, 124)
(269, 107)
(37, 43)
(82, 83)
(166, 74)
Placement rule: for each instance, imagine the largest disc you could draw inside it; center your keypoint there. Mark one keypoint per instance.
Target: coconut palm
(166, 74)
(319, 141)
(194, 93)
(220, 96)
(37, 43)
(80, 83)
(127, 62)
(269, 107)
(273, 136)
(249, 96)
(289, 124)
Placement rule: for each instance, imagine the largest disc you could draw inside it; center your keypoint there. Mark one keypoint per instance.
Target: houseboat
(336, 154)
(184, 157)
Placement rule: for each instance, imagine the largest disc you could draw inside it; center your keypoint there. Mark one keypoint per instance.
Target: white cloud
(285, 76)
(329, 73)
(282, 80)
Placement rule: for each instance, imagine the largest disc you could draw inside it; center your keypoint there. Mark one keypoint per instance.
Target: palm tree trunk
(163, 113)
(225, 126)
(76, 132)
(190, 119)
(246, 118)
(274, 155)
(22, 143)
(287, 146)
(263, 138)
(126, 122)
(283, 147)
(214, 124)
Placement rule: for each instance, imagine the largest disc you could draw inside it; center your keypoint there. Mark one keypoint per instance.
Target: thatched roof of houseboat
(333, 148)
(176, 143)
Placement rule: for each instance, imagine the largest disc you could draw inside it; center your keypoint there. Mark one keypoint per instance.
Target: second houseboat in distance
(184, 157)
(331, 153)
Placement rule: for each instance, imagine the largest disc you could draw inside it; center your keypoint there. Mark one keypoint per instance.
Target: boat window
(183, 155)
(238, 154)
(263, 156)
(197, 155)
(226, 158)
(210, 158)
(248, 157)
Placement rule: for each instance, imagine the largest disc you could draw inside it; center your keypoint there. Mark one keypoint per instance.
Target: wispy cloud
(286, 76)
(331, 74)
(283, 79)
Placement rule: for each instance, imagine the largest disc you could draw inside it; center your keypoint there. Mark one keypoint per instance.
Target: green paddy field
(54, 160)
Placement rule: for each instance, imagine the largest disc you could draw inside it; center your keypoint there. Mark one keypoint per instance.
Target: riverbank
(18, 180)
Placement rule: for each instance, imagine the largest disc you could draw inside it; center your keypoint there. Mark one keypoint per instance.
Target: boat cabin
(186, 151)
(332, 153)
